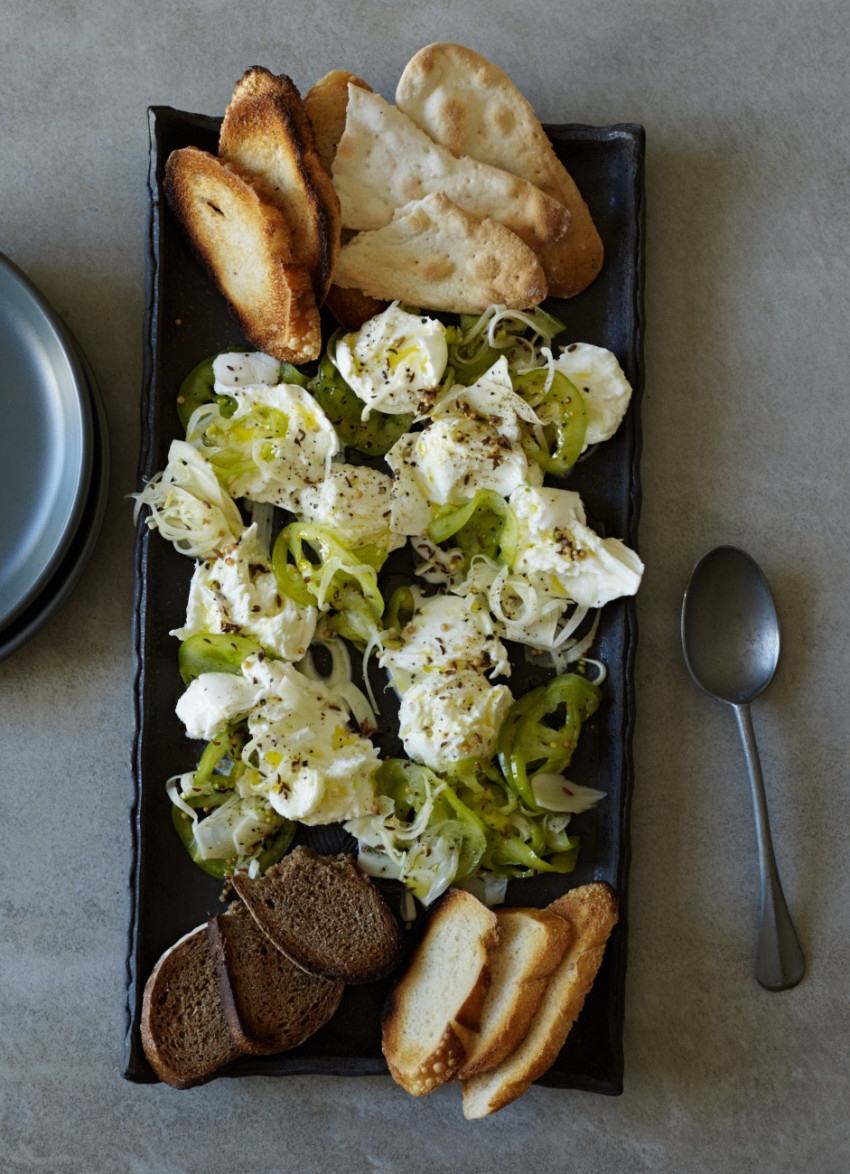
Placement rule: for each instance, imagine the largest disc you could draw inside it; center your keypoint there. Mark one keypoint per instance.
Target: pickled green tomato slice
(563, 408)
(213, 652)
(529, 742)
(343, 407)
(484, 525)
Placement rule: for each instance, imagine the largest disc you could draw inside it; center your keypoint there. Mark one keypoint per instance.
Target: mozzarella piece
(448, 463)
(446, 717)
(214, 700)
(447, 635)
(313, 767)
(244, 369)
(492, 397)
(394, 360)
(355, 501)
(560, 555)
(292, 452)
(602, 382)
(238, 592)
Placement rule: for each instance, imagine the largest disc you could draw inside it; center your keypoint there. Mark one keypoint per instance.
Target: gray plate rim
(61, 506)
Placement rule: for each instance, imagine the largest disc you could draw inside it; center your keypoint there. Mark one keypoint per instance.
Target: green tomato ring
(214, 652)
(344, 408)
(198, 388)
(568, 430)
(219, 868)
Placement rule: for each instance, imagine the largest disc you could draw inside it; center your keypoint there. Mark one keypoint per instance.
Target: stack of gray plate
(54, 460)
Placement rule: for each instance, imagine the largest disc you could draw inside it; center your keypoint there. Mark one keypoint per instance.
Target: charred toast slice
(244, 242)
(267, 134)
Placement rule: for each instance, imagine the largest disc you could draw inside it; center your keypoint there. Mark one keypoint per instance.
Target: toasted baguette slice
(267, 134)
(244, 242)
(441, 992)
(270, 1004)
(470, 106)
(326, 103)
(325, 915)
(531, 944)
(434, 255)
(592, 913)
(384, 161)
(184, 1031)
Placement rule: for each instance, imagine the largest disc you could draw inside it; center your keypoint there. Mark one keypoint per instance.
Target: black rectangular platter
(187, 320)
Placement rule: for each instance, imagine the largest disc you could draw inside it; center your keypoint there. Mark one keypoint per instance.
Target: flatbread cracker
(435, 255)
(384, 162)
(470, 106)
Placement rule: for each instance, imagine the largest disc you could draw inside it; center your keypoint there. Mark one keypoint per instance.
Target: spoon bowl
(730, 640)
(730, 629)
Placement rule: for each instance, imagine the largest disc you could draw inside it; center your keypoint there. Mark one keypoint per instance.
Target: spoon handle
(780, 963)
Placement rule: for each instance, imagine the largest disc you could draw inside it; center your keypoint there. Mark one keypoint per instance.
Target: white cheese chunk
(447, 717)
(355, 502)
(214, 700)
(394, 361)
(602, 382)
(238, 592)
(447, 634)
(559, 554)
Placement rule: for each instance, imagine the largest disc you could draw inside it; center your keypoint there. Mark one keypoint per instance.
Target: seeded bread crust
(184, 1031)
(440, 997)
(244, 242)
(531, 944)
(270, 1004)
(591, 911)
(325, 915)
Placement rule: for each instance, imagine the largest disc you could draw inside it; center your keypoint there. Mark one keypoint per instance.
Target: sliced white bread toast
(591, 911)
(184, 1031)
(442, 990)
(245, 244)
(325, 915)
(270, 1004)
(470, 106)
(267, 134)
(531, 944)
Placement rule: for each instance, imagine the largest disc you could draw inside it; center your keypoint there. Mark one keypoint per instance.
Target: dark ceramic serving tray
(187, 320)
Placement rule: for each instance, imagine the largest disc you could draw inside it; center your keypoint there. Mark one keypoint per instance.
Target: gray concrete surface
(747, 109)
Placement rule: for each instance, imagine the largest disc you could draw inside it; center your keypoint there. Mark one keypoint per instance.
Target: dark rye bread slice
(184, 1031)
(270, 1004)
(325, 915)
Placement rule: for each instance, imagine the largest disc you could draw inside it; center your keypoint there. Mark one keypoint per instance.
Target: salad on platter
(391, 522)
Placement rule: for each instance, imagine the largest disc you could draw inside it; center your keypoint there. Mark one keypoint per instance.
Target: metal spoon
(730, 637)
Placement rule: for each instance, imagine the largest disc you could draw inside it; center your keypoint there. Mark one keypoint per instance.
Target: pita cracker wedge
(469, 105)
(267, 134)
(435, 255)
(326, 103)
(384, 162)
(245, 245)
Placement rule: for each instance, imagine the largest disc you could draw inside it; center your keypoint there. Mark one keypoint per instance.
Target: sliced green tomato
(290, 374)
(214, 652)
(564, 405)
(529, 742)
(300, 560)
(344, 408)
(273, 849)
(484, 525)
(515, 857)
(407, 782)
(400, 610)
(199, 388)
